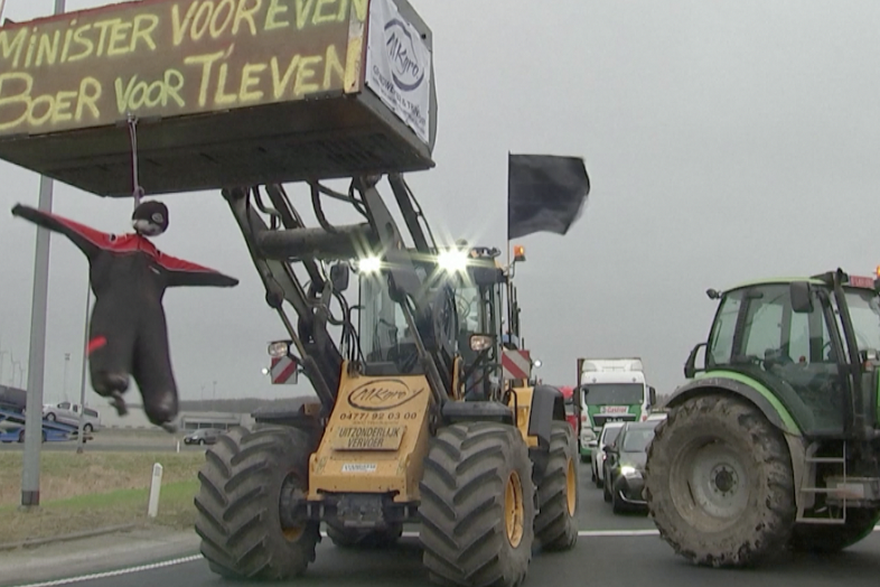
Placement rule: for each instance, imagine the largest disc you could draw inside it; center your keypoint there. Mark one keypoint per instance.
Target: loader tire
(348, 538)
(719, 483)
(477, 506)
(239, 502)
(555, 523)
(822, 539)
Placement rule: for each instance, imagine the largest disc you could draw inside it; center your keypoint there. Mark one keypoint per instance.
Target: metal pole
(85, 359)
(33, 431)
(66, 365)
(30, 471)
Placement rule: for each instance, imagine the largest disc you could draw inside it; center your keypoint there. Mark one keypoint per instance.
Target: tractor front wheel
(555, 524)
(826, 539)
(478, 506)
(719, 483)
(246, 478)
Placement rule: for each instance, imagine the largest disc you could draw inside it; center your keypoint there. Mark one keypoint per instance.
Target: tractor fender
(776, 414)
(548, 404)
(773, 410)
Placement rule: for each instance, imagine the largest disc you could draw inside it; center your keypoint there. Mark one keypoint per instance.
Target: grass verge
(93, 490)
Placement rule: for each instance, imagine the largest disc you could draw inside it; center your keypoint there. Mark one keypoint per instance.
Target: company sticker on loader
(358, 467)
(367, 438)
(382, 395)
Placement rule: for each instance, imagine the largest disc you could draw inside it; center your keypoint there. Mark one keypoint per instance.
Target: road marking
(128, 571)
(196, 557)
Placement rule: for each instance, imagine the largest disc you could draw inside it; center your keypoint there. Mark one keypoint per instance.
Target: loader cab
(799, 339)
(387, 342)
(480, 310)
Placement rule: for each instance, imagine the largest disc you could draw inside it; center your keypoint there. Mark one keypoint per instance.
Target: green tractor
(774, 443)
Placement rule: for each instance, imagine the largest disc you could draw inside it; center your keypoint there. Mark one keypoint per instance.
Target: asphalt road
(612, 551)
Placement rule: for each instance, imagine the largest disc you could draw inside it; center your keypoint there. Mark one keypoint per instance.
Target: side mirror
(593, 443)
(339, 276)
(690, 366)
(801, 300)
(652, 396)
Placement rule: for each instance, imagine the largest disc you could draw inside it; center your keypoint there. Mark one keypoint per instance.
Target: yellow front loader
(411, 421)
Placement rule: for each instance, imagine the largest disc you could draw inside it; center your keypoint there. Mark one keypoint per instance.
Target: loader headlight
(480, 342)
(628, 471)
(279, 348)
(453, 260)
(369, 265)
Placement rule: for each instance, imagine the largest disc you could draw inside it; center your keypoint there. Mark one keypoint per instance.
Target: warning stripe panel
(283, 370)
(516, 364)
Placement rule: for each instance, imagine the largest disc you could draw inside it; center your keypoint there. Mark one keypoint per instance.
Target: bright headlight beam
(369, 265)
(452, 260)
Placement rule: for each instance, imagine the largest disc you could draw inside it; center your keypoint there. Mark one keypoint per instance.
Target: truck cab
(611, 390)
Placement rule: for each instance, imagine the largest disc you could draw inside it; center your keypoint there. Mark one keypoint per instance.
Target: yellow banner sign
(368, 437)
(165, 58)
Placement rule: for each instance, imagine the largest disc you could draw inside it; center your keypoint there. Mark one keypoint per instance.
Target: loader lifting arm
(286, 240)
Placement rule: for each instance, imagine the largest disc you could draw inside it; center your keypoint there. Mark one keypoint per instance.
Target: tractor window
(788, 352)
(763, 327)
(864, 311)
(721, 339)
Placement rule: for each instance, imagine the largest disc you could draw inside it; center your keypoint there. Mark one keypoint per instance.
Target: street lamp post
(66, 365)
(33, 436)
(85, 360)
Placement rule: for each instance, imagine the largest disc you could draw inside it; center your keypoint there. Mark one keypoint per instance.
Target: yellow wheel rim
(293, 534)
(514, 509)
(571, 488)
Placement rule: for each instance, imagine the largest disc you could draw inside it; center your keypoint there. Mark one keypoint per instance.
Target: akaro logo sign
(399, 66)
(382, 394)
(407, 68)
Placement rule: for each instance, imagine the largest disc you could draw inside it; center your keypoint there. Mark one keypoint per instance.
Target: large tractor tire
(719, 483)
(827, 539)
(238, 506)
(478, 506)
(349, 538)
(556, 522)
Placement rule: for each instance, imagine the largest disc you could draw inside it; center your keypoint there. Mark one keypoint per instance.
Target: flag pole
(510, 270)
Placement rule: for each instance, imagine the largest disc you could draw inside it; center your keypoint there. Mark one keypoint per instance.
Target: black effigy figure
(127, 331)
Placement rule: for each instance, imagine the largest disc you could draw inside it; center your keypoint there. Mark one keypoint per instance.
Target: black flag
(545, 193)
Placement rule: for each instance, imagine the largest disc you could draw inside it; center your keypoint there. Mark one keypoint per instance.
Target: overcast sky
(724, 140)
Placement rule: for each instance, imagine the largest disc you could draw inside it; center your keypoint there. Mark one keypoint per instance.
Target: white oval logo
(408, 72)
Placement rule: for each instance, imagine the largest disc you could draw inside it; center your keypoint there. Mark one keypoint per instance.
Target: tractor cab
(808, 340)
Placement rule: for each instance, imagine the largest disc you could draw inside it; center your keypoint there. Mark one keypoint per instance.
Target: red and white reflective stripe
(861, 281)
(283, 370)
(516, 364)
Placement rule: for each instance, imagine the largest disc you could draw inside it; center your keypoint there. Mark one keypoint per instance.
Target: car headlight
(628, 471)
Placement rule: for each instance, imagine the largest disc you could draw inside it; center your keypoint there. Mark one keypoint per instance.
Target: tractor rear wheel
(349, 538)
(827, 539)
(719, 483)
(243, 482)
(555, 524)
(477, 506)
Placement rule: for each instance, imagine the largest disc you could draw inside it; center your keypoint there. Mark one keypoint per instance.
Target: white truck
(610, 390)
